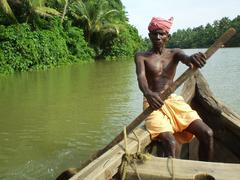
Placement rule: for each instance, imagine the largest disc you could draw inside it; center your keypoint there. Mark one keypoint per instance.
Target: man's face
(158, 37)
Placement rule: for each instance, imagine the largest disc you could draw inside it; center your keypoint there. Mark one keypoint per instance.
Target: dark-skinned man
(172, 120)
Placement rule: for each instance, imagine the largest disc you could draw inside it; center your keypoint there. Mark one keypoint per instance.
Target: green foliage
(97, 19)
(146, 44)
(202, 37)
(77, 45)
(33, 38)
(117, 4)
(235, 41)
(125, 44)
(22, 49)
(25, 50)
(26, 11)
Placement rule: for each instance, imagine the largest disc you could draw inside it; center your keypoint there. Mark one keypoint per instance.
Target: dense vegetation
(203, 37)
(23, 49)
(38, 34)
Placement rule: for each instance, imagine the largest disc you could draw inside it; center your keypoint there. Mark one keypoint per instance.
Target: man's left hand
(198, 60)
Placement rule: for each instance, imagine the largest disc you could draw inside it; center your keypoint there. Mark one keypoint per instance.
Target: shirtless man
(172, 119)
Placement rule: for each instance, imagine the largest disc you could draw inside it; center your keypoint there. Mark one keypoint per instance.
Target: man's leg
(205, 136)
(169, 143)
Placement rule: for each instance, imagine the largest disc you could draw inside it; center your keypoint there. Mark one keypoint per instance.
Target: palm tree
(64, 10)
(37, 6)
(26, 10)
(96, 18)
(6, 9)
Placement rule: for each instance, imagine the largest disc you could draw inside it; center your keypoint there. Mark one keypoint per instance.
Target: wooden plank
(107, 165)
(164, 168)
(188, 90)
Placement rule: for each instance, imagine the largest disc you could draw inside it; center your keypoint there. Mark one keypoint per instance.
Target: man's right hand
(154, 100)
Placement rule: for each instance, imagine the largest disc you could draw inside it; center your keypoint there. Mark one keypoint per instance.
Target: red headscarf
(160, 23)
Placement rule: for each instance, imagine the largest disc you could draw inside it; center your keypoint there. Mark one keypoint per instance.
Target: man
(172, 119)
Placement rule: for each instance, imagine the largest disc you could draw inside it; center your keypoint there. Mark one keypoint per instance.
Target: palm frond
(36, 3)
(96, 17)
(46, 11)
(112, 29)
(7, 9)
(111, 12)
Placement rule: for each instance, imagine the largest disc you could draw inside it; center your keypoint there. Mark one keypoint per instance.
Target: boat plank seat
(165, 168)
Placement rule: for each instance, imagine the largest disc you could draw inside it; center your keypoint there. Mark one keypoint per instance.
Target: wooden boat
(224, 122)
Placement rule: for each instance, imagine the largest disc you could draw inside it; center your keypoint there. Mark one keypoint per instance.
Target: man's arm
(197, 59)
(141, 76)
(152, 97)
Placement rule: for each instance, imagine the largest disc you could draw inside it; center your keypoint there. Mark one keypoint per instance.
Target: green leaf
(46, 11)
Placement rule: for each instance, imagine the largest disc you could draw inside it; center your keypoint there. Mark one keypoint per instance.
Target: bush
(77, 46)
(22, 49)
(125, 44)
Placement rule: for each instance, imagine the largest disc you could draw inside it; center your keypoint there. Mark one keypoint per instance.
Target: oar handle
(188, 73)
(219, 43)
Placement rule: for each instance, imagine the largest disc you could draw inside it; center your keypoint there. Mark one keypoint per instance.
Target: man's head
(159, 31)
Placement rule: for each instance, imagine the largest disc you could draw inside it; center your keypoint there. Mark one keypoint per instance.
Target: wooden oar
(188, 73)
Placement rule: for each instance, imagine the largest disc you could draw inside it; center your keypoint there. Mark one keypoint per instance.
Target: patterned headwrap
(160, 23)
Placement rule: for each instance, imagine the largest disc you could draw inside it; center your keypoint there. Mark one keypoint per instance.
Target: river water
(55, 119)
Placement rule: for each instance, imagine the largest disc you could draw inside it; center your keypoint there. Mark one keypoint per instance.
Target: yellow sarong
(174, 116)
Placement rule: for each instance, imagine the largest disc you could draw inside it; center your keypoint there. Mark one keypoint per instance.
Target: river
(55, 119)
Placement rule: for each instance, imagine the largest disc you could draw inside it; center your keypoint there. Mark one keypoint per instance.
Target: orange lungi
(174, 116)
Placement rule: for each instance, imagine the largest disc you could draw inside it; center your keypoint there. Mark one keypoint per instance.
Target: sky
(186, 13)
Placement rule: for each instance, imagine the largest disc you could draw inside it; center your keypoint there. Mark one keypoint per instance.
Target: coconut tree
(64, 10)
(33, 9)
(6, 9)
(60, 5)
(96, 18)
(26, 10)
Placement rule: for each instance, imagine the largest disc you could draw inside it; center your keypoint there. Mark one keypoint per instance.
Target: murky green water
(52, 120)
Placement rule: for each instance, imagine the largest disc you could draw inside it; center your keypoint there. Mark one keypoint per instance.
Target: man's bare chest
(159, 65)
